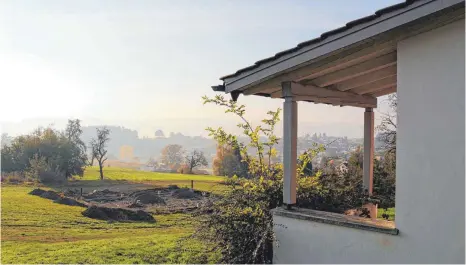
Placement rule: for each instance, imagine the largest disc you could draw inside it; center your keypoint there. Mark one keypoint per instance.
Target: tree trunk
(101, 171)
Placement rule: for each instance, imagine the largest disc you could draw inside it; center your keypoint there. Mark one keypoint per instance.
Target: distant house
(416, 49)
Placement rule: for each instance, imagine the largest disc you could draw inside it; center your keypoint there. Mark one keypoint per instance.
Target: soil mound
(50, 194)
(37, 192)
(71, 192)
(148, 197)
(136, 205)
(70, 201)
(104, 195)
(173, 187)
(104, 192)
(117, 214)
(185, 194)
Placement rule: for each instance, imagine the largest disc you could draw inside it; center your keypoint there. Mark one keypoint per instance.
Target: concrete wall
(430, 208)
(430, 148)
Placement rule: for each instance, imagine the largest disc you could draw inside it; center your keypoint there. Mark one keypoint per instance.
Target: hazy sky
(146, 64)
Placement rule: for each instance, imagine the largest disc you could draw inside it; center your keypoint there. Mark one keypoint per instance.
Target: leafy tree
(46, 154)
(228, 162)
(195, 159)
(99, 148)
(172, 155)
(77, 158)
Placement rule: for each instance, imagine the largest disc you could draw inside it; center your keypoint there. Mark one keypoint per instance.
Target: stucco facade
(430, 208)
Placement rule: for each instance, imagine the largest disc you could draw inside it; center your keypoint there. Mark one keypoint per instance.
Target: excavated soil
(70, 201)
(156, 200)
(37, 192)
(185, 194)
(117, 214)
(135, 206)
(51, 195)
(147, 197)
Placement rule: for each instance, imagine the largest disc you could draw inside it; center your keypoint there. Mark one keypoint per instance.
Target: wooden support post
(368, 163)
(290, 135)
(192, 184)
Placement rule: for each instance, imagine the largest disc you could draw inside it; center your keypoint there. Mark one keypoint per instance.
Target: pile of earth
(147, 197)
(117, 214)
(71, 192)
(70, 202)
(51, 195)
(186, 193)
(56, 197)
(104, 196)
(37, 192)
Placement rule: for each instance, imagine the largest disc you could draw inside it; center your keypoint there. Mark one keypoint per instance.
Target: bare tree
(99, 148)
(195, 159)
(387, 127)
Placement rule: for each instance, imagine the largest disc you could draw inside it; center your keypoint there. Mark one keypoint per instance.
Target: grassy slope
(36, 230)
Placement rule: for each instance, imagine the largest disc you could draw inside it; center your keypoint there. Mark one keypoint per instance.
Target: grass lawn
(36, 230)
(389, 211)
(201, 182)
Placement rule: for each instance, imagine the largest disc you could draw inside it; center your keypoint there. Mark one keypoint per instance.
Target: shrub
(13, 177)
(239, 224)
(46, 154)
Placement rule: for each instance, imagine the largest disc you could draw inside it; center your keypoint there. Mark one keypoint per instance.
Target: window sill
(381, 226)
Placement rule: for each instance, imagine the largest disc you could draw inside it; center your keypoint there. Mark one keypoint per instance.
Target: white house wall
(430, 149)
(430, 194)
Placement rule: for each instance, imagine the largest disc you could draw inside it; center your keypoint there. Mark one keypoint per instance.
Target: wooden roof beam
(355, 71)
(384, 91)
(324, 95)
(366, 78)
(387, 82)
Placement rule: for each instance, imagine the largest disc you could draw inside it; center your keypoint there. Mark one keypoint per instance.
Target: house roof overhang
(351, 65)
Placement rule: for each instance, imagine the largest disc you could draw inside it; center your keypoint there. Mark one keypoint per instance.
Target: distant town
(127, 149)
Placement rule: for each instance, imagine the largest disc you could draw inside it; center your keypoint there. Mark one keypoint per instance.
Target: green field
(114, 175)
(37, 230)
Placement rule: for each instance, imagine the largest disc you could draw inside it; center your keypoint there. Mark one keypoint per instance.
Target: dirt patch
(104, 196)
(37, 192)
(71, 192)
(147, 197)
(136, 205)
(185, 194)
(70, 201)
(117, 214)
(50, 194)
